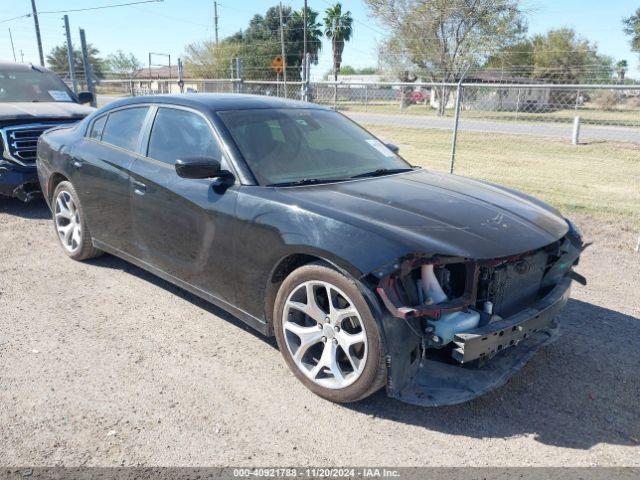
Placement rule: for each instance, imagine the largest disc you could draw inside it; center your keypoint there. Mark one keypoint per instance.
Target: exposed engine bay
(466, 311)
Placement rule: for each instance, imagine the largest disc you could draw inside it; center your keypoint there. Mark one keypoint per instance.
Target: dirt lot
(103, 364)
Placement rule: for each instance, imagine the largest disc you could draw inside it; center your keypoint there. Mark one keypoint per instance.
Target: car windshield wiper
(306, 181)
(382, 171)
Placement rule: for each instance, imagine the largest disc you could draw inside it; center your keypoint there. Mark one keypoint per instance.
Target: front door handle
(139, 188)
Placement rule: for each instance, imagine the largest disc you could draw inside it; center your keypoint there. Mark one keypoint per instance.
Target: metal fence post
(518, 104)
(456, 120)
(366, 97)
(88, 71)
(575, 138)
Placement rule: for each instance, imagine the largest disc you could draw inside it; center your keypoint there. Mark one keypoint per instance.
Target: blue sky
(166, 27)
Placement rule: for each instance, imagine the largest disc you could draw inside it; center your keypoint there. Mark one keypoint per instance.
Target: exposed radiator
(516, 285)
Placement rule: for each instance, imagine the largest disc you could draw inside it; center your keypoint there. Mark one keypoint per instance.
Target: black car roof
(217, 101)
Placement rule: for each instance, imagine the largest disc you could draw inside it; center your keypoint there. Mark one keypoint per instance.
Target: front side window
(123, 127)
(179, 134)
(295, 145)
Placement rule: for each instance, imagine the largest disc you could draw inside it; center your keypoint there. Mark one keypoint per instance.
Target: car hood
(42, 110)
(437, 213)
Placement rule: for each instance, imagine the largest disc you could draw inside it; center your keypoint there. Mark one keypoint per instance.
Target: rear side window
(123, 127)
(97, 127)
(179, 134)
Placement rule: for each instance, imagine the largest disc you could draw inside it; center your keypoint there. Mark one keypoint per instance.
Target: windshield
(32, 86)
(289, 146)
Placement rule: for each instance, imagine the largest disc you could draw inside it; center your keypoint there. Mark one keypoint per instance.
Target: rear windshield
(32, 86)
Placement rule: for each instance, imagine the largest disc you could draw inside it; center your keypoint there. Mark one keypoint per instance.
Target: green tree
(122, 64)
(440, 39)
(632, 28)
(338, 28)
(58, 62)
(562, 56)
(349, 70)
(259, 43)
(208, 60)
(295, 35)
(516, 59)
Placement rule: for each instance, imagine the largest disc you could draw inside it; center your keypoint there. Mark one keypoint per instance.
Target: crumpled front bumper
(20, 182)
(428, 382)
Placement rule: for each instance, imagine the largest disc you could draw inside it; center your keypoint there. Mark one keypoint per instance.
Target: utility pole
(284, 58)
(12, 48)
(72, 67)
(180, 76)
(37, 25)
(88, 71)
(215, 19)
(21, 56)
(304, 52)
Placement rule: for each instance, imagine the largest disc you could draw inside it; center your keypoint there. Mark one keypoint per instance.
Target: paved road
(103, 364)
(556, 130)
(587, 132)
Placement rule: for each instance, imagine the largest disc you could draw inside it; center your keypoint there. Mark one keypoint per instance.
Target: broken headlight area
(443, 298)
(452, 321)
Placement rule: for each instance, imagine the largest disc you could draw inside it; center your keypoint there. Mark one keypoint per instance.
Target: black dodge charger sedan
(369, 272)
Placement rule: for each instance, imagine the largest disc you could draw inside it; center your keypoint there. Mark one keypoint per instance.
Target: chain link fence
(575, 146)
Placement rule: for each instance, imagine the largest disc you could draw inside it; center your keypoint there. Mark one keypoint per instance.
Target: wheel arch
(54, 180)
(290, 262)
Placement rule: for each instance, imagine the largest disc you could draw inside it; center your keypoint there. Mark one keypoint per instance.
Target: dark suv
(32, 100)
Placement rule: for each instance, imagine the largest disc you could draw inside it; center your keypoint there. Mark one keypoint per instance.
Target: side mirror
(200, 167)
(393, 148)
(85, 97)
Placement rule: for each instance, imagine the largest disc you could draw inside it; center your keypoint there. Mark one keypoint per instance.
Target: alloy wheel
(325, 334)
(67, 220)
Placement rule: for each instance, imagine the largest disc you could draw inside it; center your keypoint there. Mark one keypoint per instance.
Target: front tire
(327, 334)
(70, 224)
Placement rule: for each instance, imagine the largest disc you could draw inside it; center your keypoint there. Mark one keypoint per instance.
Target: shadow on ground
(109, 261)
(576, 393)
(36, 209)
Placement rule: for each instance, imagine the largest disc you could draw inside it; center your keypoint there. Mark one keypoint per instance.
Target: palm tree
(337, 28)
(314, 34)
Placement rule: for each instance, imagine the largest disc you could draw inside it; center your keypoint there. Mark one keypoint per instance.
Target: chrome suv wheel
(327, 334)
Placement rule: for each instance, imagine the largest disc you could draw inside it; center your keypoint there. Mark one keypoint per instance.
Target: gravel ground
(102, 364)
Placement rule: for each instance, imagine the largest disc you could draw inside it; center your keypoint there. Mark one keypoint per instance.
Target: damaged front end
(459, 327)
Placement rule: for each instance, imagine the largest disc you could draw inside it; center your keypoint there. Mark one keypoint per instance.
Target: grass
(597, 179)
(591, 116)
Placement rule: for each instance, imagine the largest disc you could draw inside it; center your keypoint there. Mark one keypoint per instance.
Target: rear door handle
(139, 188)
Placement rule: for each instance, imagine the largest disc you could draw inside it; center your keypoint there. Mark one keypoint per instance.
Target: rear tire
(70, 224)
(334, 349)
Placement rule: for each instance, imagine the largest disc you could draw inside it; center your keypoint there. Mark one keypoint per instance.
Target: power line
(103, 6)
(26, 15)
